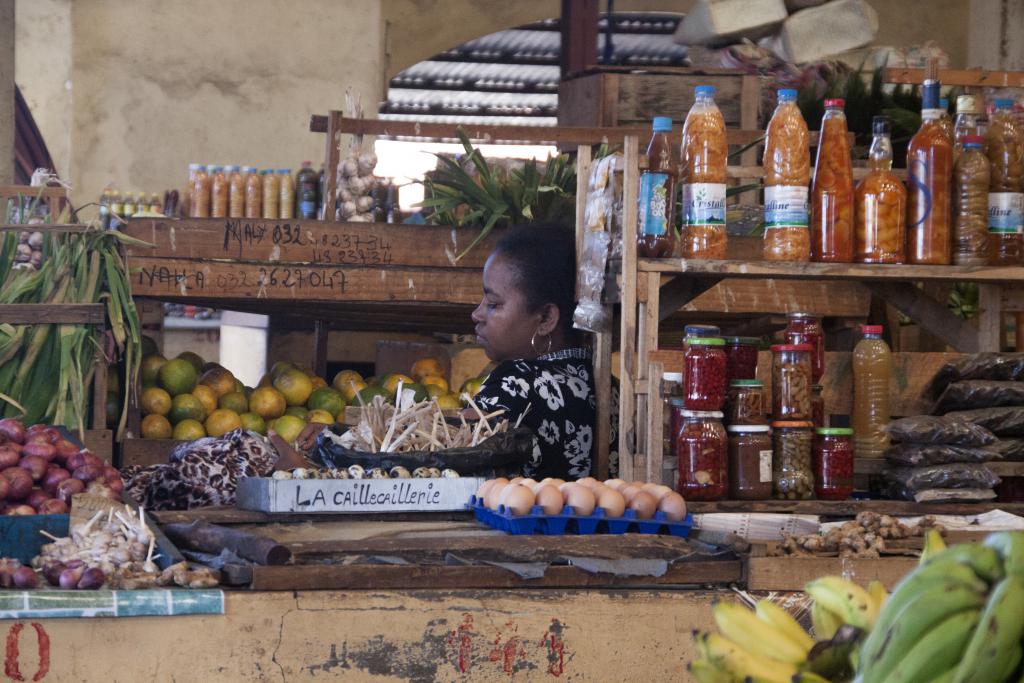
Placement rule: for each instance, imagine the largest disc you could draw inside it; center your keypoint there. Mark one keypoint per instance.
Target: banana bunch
(838, 601)
(957, 618)
(763, 645)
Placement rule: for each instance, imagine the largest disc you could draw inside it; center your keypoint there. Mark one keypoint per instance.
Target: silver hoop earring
(533, 345)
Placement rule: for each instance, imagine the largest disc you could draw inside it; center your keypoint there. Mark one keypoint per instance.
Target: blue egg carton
(568, 522)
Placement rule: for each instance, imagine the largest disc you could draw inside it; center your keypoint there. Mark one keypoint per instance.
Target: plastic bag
(926, 429)
(948, 495)
(916, 455)
(1008, 449)
(989, 366)
(501, 454)
(1007, 421)
(979, 393)
(591, 313)
(954, 476)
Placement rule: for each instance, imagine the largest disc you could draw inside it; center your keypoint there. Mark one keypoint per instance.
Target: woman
(524, 324)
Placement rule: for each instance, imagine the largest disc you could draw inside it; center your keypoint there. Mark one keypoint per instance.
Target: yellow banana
(933, 545)
(824, 622)
(845, 599)
(742, 664)
(706, 672)
(741, 625)
(878, 593)
(783, 622)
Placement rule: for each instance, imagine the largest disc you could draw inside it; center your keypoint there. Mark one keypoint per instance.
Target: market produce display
(521, 495)
(359, 472)
(40, 471)
(864, 536)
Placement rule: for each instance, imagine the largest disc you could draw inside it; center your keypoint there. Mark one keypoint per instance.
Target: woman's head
(529, 293)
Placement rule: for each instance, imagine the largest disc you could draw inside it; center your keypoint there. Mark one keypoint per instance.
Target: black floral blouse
(556, 391)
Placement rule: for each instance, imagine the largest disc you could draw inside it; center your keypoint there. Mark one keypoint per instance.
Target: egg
(629, 491)
(518, 499)
(580, 498)
(491, 498)
(659, 491)
(529, 483)
(554, 481)
(673, 506)
(616, 484)
(644, 505)
(481, 492)
(507, 491)
(612, 502)
(586, 481)
(515, 480)
(549, 498)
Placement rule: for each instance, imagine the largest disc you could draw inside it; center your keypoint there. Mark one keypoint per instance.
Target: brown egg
(515, 480)
(491, 498)
(612, 502)
(549, 498)
(554, 481)
(518, 499)
(586, 481)
(639, 484)
(673, 506)
(629, 491)
(592, 484)
(481, 492)
(659, 491)
(644, 505)
(528, 483)
(616, 484)
(580, 498)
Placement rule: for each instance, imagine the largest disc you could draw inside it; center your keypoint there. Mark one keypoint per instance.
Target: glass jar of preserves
(745, 405)
(818, 405)
(970, 205)
(791, 381)
(805, 328)
(741, 357)
(832, 190)
(702, 454)
(1005, 139)
(787, 174)
(702, 166)
(881, 204)
(704, 373)
(750, 462)
(833, 463)
(792, 470)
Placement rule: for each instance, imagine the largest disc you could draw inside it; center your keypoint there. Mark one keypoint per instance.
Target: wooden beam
(628, 338)
(332, 156)
(320, 331)
(680, 291)
(931, 315)
(37, 314)
(957, 77)
(578, 27)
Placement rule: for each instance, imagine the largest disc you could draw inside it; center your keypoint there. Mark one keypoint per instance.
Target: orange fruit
(343, 378)
(295, 386)
(320, 416)
(279, 367)
(268, 403)
(186, 407)
(253, 423)
(318, 382)
(265, 381)
(206, 396)
(149, 371)
(235, 401)
(222, 421)
(188, 430)
(288, 427)
(155, 401)
(156, 427)
(194, 359)
(426, 367)
(440, 383)
(391, 382)
(298, 411)
(178, 376)
(326, 399)
(449, 402)
(219, 379)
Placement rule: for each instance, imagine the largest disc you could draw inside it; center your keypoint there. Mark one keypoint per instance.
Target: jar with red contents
(805, 328)
(704, 379)
(833, 463)
(702, 451)
(741, 357)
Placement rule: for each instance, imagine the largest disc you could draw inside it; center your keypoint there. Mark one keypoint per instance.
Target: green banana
(884, 649)
(845, 599)
(741, 664)
(1001, 627)
(706, 672)
(809, 677)
(768, 612)
(1016, 655)
(824, 622)
(1010, 546)
(984, 560)
(933, 545)
(741, 625)
(944, 677)
(936, 651)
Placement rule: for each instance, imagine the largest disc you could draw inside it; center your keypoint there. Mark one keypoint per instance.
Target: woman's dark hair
(544, 256)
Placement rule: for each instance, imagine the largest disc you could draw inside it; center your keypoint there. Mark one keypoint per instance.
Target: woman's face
(504, 326)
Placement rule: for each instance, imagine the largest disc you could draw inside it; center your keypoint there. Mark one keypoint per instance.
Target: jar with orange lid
(880, 204)
(832, 190)
(787, 173)
(702, 164)
(792, 467)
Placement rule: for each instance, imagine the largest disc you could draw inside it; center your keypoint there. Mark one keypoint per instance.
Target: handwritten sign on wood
(355, 495)
(299, 241)
(226, 280)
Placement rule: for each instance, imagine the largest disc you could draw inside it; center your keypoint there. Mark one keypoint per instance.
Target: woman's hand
(288, 457)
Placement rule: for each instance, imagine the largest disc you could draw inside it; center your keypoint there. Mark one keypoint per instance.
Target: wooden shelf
(71, 314)
(849, 508)
(833, 271)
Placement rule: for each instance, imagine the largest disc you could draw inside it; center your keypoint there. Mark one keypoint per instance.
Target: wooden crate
(355, 495)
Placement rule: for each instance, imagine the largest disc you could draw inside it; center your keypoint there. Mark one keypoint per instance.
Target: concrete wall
(913, 22)
(996, 29)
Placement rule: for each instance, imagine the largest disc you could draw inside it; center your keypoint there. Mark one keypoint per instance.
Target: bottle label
(654, 201)
(785, 206)
(704, 204)
(307, 209)
(766, 466)
(1005, 213)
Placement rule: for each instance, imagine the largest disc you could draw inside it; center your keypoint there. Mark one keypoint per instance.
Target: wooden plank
(578, 26)
(642, 96)
(655, 426)
(100, 442)
(850, 508)
(999, 468)
(233, 515)
(793, 573)
(627, 339)
(958, 77)
(834, 271)
(603, 342)
(1013, 299)
(384, 577)
(218, 280)
(49, 192)
(300, 241)
(759, 296)
(37, 314)
(990, 318)
(48, 227)
(332, 155)
(146, 452)
(320, 331)
(931, 315)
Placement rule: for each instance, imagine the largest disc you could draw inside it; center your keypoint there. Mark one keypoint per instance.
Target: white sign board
(355, 495)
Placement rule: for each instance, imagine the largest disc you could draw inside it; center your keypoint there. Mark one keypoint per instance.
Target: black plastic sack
(927, 429)
(918, 455)
(501, 454)
(988, 366)
(1008, 449)
(954, 476)
(947, 495)
(1006, 421)
(978, 393)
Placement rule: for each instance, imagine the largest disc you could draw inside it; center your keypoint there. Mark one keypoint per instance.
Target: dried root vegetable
(863, 537)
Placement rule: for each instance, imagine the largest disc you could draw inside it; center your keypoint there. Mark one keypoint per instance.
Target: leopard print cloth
(201, 473)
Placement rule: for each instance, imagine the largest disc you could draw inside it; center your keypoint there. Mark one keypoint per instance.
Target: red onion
(75, 461)
(65, 449)
(13, 430)
(53, 506)
(43, 450)
(25, 577)
(36, 497)
(20, 510)
(18, 485)
(5, 486)
(53, 477)
(93, 459)
(70, 577)
(35, 465)
(8, 457)
(116, 485)
(92, 579)
(52, 571)
(68, 488)
(42, 432)
(87, 473)
(14, 446)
